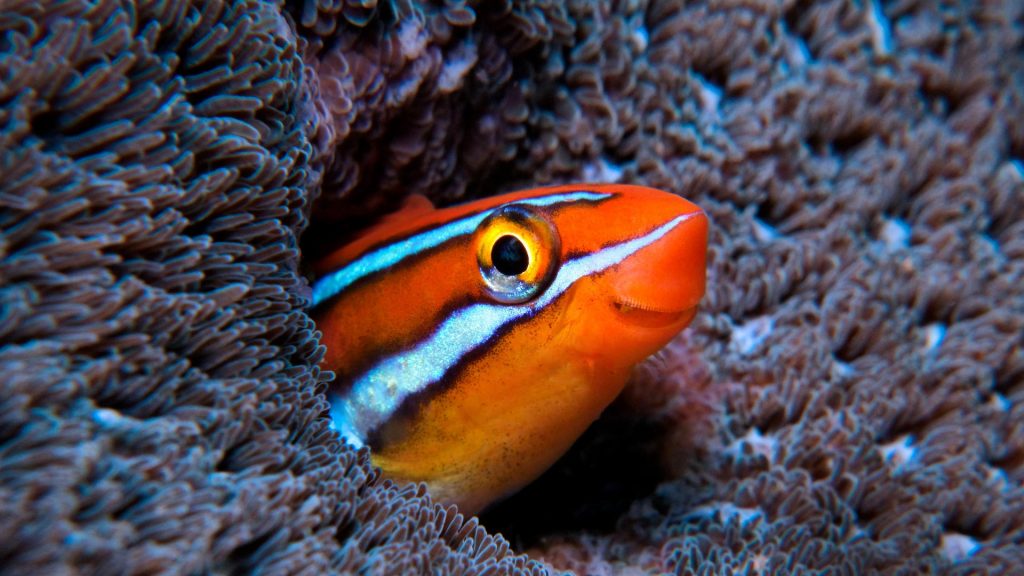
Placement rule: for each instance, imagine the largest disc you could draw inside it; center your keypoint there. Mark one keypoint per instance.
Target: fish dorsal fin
(413, 206)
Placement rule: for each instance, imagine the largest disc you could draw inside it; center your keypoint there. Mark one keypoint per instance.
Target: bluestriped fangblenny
(474, 344)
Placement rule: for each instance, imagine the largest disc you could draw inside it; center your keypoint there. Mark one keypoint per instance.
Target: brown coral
(864, 288)
(849, 401)
(161, 410)
(424, 97)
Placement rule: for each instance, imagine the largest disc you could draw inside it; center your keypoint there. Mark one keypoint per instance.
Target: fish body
(473, 344)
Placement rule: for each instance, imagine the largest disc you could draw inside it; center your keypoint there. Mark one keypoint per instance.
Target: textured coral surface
(849, 401)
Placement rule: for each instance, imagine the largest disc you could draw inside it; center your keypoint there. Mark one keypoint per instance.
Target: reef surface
(849, 401)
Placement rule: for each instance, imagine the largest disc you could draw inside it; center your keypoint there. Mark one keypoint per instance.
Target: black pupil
(509, 256)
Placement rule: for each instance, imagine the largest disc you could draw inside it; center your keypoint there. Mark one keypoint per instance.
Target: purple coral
(865, 317)
(161, 409)
(849, 401)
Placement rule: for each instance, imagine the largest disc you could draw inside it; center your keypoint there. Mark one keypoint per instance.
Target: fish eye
(517, 251)
(509, 256)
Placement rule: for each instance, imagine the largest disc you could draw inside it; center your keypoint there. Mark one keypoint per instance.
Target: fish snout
(662, 284)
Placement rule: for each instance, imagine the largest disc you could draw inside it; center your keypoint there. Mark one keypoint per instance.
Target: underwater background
(849, 400)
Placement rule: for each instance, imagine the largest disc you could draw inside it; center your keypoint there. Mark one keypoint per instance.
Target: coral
(864, 327)
(861, 340)
(424, 97)
(848, 401)
(161, 409)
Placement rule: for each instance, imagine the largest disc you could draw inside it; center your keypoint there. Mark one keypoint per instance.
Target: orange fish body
(474, 344)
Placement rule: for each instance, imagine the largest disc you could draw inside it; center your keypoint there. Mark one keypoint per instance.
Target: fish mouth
(646, 315)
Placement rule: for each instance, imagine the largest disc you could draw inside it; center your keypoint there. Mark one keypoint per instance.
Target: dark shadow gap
(614, 464)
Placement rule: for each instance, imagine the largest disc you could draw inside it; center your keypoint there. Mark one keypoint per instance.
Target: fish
(473, 344)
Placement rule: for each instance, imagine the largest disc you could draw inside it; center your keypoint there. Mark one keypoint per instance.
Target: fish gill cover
(850, 399)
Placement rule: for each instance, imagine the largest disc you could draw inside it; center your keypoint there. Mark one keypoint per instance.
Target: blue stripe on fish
(378, 393)
(382, 258)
